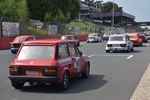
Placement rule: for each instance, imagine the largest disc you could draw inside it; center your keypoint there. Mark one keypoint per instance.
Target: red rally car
(48, 61)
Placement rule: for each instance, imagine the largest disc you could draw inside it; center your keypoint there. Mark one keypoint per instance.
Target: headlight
(14, 70)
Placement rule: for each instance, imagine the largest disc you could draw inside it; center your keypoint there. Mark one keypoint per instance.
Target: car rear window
(65, 38)
(131, 36)
(92, 35)
(116, 38)
(36, 52)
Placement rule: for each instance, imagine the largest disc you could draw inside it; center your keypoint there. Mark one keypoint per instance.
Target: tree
(14, 9)
(53, 9)
(108, 7)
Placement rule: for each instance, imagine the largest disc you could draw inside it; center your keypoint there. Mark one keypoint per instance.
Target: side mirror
(80, 53)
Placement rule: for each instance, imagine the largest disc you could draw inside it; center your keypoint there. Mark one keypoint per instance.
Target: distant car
(48, 62)
(135, 38)
(14, 46)
(148, 35)
(106, 37)
(143, 36)
(119, 42)
(94, 37)
(71, 37)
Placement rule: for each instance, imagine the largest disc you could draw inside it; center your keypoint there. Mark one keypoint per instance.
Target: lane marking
(147, 45)
(130, 57)
(91, 56)
(115, 55)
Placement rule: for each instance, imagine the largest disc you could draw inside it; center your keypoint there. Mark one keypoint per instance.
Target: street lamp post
(113, 17)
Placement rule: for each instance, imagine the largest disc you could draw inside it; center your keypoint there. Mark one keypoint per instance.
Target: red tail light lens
(123, 45)
(109, 45)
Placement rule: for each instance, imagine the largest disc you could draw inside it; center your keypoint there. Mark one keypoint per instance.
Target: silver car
(119, 42)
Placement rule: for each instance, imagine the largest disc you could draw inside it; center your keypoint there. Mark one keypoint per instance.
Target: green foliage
(108, 7)
(82, 23)
(14, 9)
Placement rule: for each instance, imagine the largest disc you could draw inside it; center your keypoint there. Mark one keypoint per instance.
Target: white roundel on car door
(77, 64)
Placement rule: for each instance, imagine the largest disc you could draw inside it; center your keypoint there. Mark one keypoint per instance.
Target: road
(113, 76)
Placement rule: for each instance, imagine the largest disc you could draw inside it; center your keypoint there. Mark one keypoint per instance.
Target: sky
(137, 8)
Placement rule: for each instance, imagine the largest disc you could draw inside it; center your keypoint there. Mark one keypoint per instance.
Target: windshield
(116, 38)
(36, 52)
(19, 39)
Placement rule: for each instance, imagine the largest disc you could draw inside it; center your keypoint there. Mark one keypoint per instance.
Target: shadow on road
(77, 85)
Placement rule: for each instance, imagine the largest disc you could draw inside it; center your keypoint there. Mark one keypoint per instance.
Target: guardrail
(4, 42)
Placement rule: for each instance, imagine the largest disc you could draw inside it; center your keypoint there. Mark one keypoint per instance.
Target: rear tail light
(14, 70)
(109, 45)
(123, 45)
(50, 71)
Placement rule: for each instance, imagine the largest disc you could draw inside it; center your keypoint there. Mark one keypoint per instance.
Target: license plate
(116, 45)
(31, 72)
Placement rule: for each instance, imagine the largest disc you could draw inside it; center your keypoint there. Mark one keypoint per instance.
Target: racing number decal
(77, 64)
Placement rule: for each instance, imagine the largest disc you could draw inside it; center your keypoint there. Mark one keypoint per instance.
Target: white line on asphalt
(147, 45)
(114, 55)
(130, 57)
(91, 56)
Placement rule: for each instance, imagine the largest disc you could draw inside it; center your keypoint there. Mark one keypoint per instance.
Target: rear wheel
(65, 81)
(17, 85)
(107, 51)
(128, 50)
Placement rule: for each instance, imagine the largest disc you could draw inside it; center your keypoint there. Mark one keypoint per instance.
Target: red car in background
(14, 46)
(143, 36)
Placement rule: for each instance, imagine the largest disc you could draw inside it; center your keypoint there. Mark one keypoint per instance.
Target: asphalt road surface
(113, 76)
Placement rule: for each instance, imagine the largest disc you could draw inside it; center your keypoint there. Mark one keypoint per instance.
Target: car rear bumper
(34, 78)
(116, 48)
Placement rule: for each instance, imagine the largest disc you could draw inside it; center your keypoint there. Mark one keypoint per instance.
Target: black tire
(13, 52)
(87, 41)
(128, 50)
(86, 72)
(107, 51)
(132, 49)
(65, 82)
(78, 44)
(17, 85)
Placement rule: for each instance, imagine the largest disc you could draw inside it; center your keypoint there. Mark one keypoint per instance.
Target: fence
(11, 27)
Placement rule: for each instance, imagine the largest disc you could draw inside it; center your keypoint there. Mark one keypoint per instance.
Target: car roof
(118, 35)
(68, 35)
(48, 41)
(93, 34)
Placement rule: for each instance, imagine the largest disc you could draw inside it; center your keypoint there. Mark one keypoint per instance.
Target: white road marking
(130, 57)
(147, 45)
(91, 56)
(114, 55)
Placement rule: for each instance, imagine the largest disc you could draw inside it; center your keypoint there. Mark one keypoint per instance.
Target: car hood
(34, 62)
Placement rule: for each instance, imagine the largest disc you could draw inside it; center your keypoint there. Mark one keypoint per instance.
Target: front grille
(16, 45)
